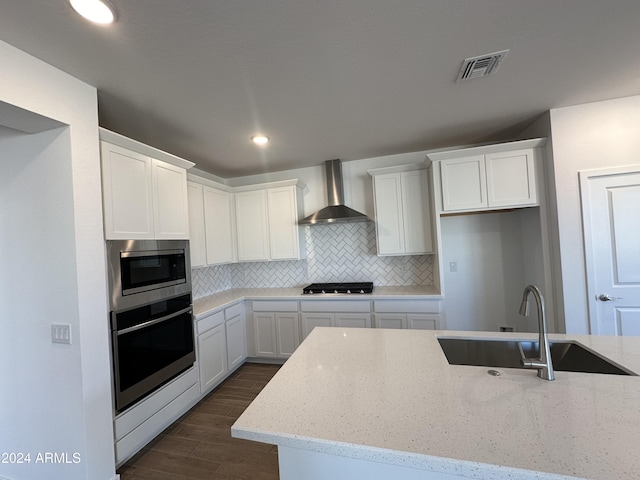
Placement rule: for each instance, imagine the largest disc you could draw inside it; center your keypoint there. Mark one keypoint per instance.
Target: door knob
(603, 297)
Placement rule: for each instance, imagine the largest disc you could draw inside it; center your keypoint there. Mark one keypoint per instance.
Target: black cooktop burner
(360, 287)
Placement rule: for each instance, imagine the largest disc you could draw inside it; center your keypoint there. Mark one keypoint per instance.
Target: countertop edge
(206, 305)
(451, 466)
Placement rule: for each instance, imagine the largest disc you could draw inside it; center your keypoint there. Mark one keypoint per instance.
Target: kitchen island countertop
(389, 397)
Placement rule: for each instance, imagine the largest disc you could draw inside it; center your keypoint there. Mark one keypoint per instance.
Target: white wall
(491, 252)
(53, 398)
(591, 136)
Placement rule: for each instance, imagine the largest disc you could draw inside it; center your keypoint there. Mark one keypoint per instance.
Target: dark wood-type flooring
(199, 444)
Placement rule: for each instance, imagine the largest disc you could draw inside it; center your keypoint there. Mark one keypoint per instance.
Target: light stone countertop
(203, 306)
(390, 396)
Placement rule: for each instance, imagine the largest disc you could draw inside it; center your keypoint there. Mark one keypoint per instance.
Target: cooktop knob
(361, 291)
(348, 291)
(322, 291)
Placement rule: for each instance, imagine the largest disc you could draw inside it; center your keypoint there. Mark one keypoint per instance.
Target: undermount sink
(565, 356)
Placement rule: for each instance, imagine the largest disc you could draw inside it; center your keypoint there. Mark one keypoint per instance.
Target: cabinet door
(464, 183)
(283, 223)
(265, 335)
(353, 320)
(313, 320)
(389, 217)
(218, 224)
(212, 357)
(170, 201)
(416, 208)
(391, 320)
(252, 226)
(127, 194)
(197, 239)
(511, 179)
(418, 321)
(236, 341)
(287, 333)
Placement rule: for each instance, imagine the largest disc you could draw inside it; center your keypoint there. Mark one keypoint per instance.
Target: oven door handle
(153, 322)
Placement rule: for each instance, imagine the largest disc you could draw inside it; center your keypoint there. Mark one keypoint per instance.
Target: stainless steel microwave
(146, 271)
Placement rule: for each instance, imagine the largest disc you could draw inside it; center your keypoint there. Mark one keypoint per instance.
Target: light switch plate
(61, 333)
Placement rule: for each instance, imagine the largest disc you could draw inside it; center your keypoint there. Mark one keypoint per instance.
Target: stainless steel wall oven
(151, 315)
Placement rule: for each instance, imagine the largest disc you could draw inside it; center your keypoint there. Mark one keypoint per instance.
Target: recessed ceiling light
(260, 139)
(97, 11)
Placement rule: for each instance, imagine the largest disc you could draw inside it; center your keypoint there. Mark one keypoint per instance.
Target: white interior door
(611, 216)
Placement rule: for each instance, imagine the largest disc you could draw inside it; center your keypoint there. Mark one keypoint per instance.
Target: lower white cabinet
(140, 424)
(334, 313)
(277, 334)
(413, 314)
(235, 326)
(222, 345)
(416, 321)
(276, 328)
(212, 351)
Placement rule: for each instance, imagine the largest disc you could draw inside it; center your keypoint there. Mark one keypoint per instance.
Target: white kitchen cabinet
(144, 197)
(252, 226)
(218, 214)
(284, 232)
(213, 357)
(313, 320)
(235, 326)
(277, 334)
(127, 193)
(170, 201)
(210, 224)
(139, 424)
(391, 320)
(197, 234)
(267, 222)
(212, 351)
(412, 314)
(334, 313)
(418, 321)
(276, 328)
(402, 210)
(488, 178)
(352, 320)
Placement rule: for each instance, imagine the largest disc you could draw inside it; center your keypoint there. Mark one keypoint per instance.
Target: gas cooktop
(355, 288)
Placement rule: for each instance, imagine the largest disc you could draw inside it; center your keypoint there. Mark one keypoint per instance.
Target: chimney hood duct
(337, 211)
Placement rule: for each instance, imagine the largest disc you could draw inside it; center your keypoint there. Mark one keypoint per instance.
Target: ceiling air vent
(481, 66)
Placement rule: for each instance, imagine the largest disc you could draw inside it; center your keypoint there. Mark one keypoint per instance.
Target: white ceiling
(327, 79)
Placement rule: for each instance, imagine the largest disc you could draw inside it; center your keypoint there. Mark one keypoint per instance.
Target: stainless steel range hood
(336, 211)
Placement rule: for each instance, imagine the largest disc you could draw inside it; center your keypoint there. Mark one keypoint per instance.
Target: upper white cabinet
(252, 225)
(488, 178)
(403, 210)
(210, 224)
(144, 196)
(267, 222)
(197, 235)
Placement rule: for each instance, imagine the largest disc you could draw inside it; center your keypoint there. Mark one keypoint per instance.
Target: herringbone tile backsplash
(335, 253)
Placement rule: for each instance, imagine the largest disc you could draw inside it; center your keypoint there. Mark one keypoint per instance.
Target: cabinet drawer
(406, 306)
(275, 306)
(363, 306)
(130, 444)
(136, 415)
(207, 323)
(233, 311)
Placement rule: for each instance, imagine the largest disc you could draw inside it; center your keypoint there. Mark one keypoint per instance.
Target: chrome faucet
(543, 363)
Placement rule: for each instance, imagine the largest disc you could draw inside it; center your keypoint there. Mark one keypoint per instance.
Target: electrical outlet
(453, 267)
(61, 333)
